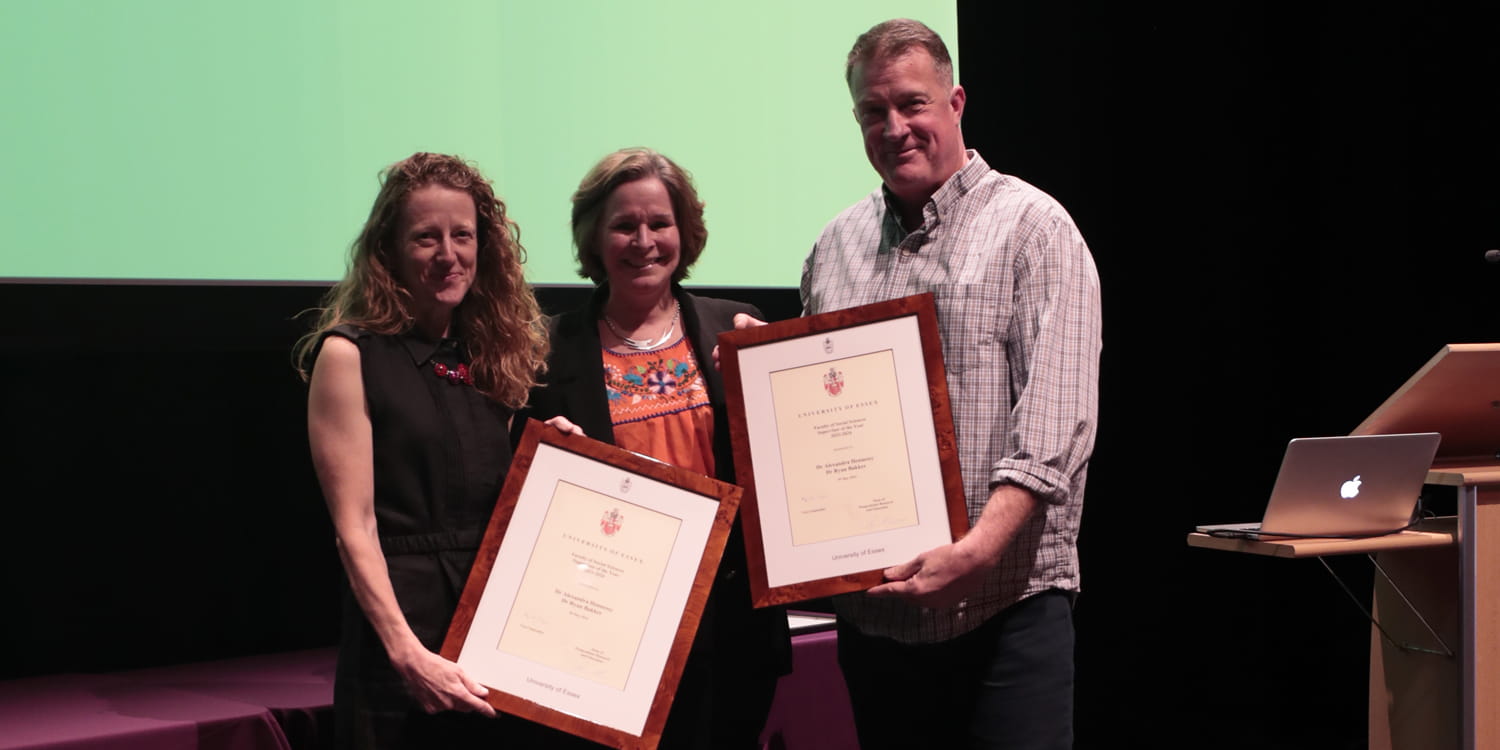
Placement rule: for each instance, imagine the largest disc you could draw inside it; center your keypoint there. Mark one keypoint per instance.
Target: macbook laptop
(1357, 485)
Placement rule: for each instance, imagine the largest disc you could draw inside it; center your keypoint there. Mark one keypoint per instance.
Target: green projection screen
(210, 141)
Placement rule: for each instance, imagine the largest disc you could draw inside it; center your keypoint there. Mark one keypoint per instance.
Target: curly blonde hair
(498, 320)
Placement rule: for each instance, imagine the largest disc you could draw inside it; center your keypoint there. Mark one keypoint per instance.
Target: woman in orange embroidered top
(634, 367)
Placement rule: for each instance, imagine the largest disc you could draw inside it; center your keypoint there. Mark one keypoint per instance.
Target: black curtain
(1289, 206)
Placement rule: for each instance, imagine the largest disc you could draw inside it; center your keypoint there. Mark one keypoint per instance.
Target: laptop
(1356, 485)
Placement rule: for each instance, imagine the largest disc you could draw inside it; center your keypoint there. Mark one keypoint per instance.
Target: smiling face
(439, 248)
(910, 120)
(638, 241)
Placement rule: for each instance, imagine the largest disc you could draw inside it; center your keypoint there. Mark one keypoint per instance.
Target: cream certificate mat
(588, 588)
(589, 585)
(841, 421)
(843, 448)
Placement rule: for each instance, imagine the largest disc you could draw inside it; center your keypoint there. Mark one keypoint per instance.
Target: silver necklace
(645, 345)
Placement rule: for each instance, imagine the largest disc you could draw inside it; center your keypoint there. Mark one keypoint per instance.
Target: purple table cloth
(238, 704)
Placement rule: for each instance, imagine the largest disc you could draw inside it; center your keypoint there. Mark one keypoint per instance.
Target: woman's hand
(741, 321)
(564, 426)
(438, 684)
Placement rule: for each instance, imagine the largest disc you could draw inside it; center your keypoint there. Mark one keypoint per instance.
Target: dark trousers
(1007, 684)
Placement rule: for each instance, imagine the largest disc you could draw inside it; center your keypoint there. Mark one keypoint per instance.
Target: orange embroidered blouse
(658, 404)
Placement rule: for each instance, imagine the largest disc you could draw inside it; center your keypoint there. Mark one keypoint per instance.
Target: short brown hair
(892, 39)
(629, 165)
(498, 319)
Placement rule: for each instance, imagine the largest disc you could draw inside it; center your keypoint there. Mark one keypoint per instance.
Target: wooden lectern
(1435, 637)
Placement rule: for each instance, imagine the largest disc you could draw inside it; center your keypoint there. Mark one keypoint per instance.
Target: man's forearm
(1009, 507)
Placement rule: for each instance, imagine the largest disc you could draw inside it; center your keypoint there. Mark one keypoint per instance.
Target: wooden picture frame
(580, 619)
(843, 483)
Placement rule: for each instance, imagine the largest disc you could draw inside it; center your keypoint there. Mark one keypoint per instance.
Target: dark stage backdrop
(162, 502)
(1289, 205)
(1289, 209)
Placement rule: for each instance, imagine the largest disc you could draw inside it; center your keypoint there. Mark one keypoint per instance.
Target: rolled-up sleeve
(1052, 351)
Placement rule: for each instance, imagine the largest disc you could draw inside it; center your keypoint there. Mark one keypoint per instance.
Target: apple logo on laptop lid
(1350, 489)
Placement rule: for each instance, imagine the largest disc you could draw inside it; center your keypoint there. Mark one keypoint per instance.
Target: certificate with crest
(589, 585)
(843, 440)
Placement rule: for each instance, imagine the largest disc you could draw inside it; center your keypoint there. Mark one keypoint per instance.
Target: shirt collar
(948, 194)
(423, 350)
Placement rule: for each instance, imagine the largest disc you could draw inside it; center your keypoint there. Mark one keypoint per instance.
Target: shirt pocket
(969, 319)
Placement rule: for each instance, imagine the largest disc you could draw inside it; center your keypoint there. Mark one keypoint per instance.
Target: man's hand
(937, 578)
(943, 576)
(741, 320)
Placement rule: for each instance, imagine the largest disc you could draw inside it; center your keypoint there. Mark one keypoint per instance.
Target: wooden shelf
(1437, 532)
(1462, 473)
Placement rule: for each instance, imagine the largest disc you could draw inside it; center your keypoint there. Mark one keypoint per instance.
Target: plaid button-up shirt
(1017, 301)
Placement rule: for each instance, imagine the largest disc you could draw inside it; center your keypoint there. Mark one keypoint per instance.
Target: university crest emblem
(610, 523)
(833, 381)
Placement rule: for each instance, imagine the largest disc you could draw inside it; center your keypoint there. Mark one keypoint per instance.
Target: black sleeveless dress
(441, 451)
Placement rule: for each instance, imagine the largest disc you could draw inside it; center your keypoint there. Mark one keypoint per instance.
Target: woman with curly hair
(422, 353)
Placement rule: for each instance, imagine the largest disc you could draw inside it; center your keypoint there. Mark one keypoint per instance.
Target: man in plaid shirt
(970, 644)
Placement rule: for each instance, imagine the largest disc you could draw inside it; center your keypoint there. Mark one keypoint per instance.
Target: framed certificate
(843, 440)
(588, 587)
